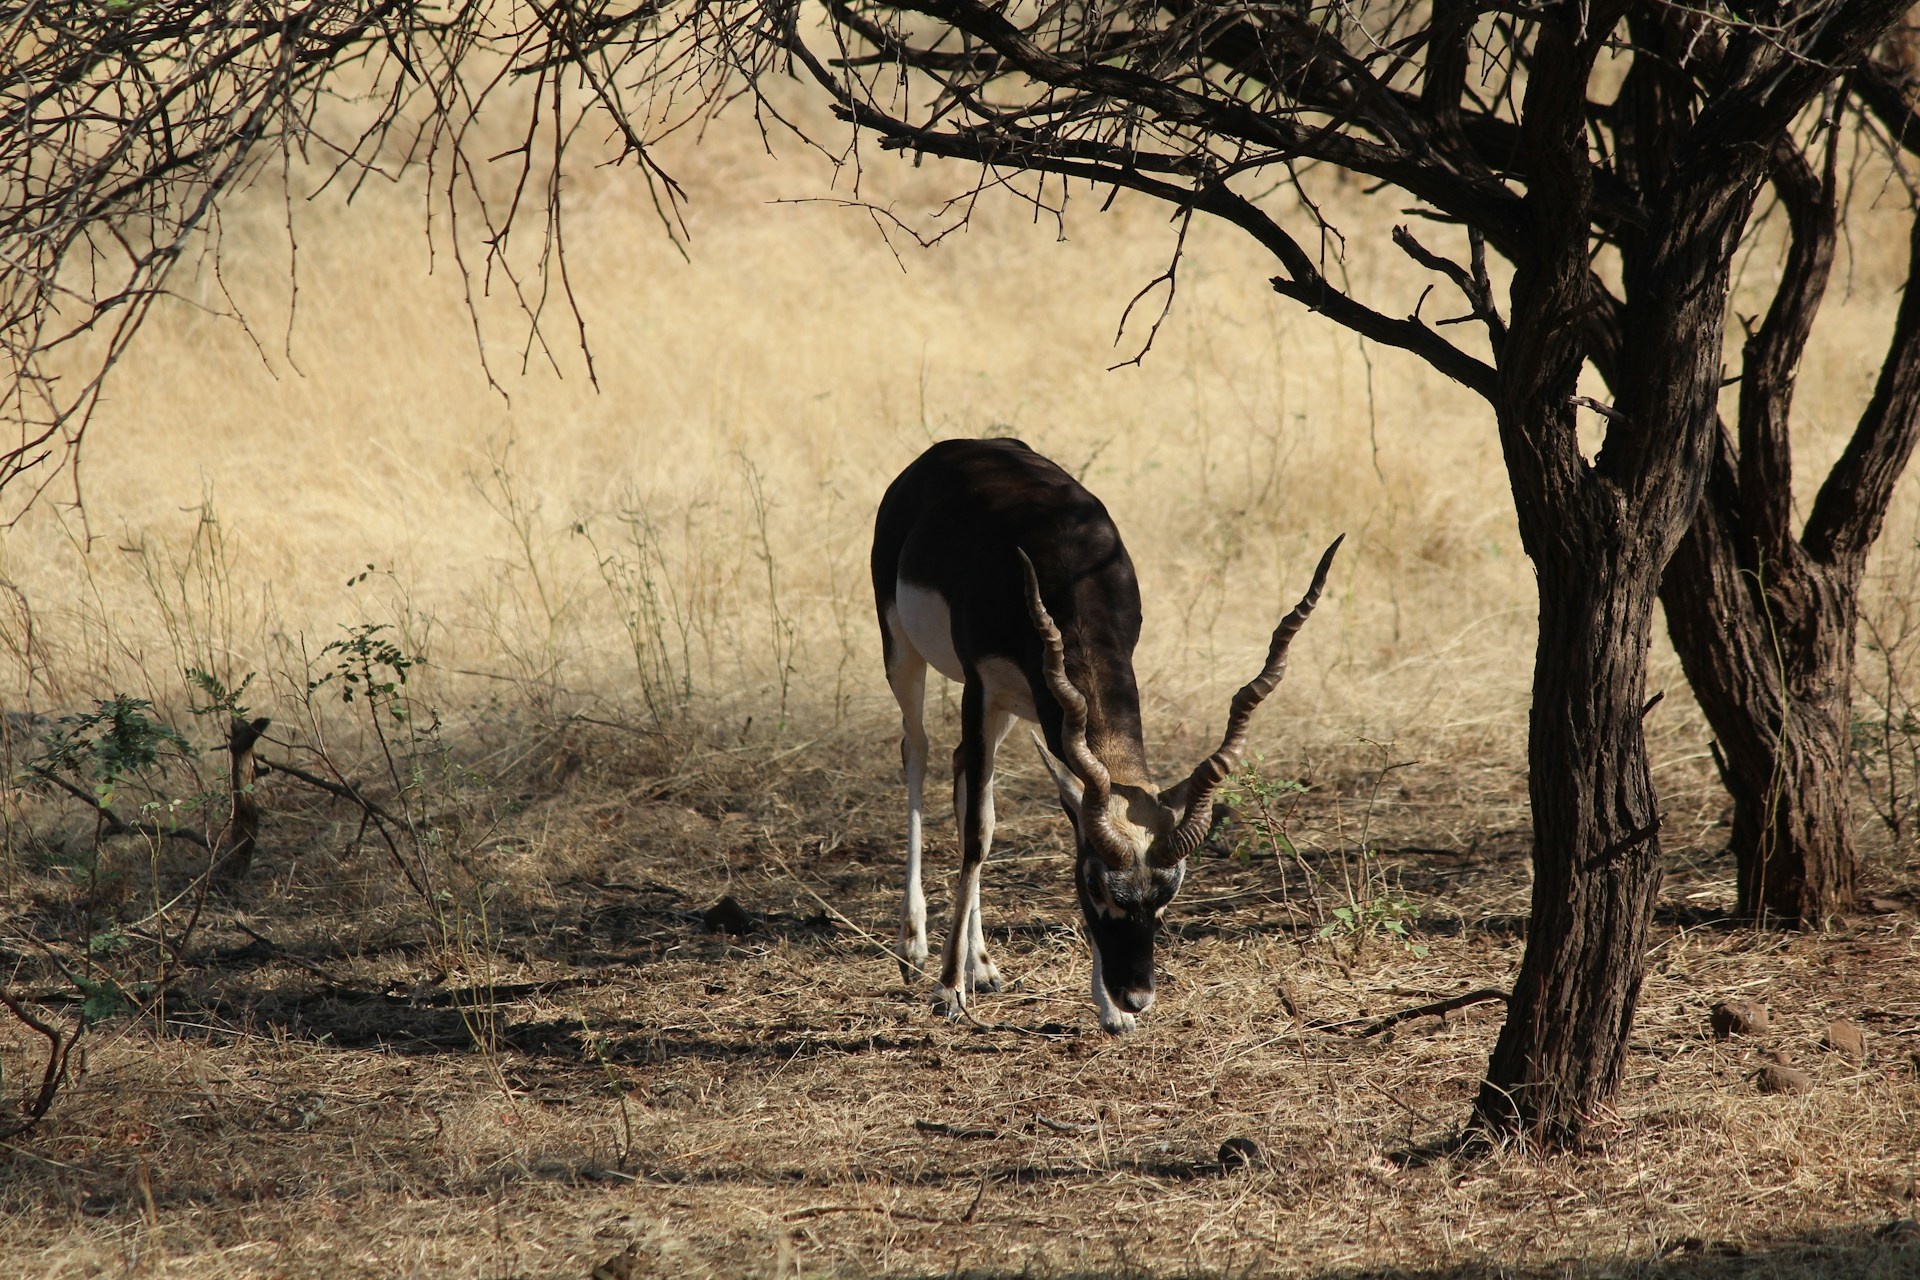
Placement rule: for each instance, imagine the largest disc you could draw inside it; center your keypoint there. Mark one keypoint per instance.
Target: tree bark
(1596, 842)
(1769, 649)
(1599, 533)
(1765, 622)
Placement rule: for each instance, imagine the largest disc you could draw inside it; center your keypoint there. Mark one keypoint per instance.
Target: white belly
(922, 619)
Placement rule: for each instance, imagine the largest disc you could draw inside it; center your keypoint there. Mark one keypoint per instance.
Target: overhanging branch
(1303, 282)
(1420, 171)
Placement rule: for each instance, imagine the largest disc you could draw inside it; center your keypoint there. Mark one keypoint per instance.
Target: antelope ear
(1066, 783)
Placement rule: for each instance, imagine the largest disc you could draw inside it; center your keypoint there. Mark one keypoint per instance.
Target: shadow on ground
(1886, 1252)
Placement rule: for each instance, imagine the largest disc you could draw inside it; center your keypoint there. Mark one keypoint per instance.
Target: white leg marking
(982, 973)
(909, 681)
(956, 959)
(913, 901)
(955, 987)
(1113, 1019)
(965, 966)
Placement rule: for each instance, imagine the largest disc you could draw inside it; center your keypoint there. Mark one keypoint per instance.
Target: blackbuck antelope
(1004, 573)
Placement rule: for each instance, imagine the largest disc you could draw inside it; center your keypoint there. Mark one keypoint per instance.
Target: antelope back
(956, 523)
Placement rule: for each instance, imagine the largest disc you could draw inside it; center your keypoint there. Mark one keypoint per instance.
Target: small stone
(624, 1265)
(1240, 1153)
(1738, 1018)
(1777, 1077)
(1846, 1039)
(726, 916)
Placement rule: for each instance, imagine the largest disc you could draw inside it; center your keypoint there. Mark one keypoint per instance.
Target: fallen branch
(383, 822)
(344, 790)
(1374, 1027)
(1061, 1126)
(115, 824)
(59, 1046)
(280, 952)
(953, 1131)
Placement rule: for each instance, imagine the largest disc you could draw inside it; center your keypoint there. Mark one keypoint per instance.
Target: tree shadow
(1888, 1251)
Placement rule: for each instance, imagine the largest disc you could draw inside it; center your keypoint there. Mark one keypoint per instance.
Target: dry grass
(558, 1059)
(607, 1071)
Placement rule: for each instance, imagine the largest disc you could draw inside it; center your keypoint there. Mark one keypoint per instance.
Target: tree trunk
(1769, 649)
(1764, 622)
(1596, 841)
(1599, 532)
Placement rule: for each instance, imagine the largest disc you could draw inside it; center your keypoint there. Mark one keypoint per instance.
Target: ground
(588, 1063)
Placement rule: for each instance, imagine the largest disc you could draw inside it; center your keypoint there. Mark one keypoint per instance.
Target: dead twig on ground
(953, 1130)
(1374, 1026)
(115, 824)
(59, 1049)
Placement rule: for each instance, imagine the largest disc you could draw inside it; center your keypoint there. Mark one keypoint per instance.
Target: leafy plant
(120, 737)
(1379, 908)
(101, 997)
(1268, 805)
(91, 756)
(1369, 902)
(371, 667)
(220, 700)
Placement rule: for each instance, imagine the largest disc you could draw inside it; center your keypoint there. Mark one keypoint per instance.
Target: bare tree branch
(1772, 354)
(123, 126)
(1851, 506)
(59, 1048)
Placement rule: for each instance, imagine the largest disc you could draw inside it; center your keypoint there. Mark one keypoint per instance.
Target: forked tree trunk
(1768, 650)
(1764, 621)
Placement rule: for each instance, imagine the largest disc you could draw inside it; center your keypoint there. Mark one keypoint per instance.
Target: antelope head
(1131, 843)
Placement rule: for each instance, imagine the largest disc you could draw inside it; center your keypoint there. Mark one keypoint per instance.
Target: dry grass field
(502, 1030)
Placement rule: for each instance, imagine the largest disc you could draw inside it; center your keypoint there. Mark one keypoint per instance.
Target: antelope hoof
(913, 960)
(985, 976)
(949, 1003)
(1117, 1022)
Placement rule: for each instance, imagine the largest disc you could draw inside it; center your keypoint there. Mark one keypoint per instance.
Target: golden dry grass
(559, 1060)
